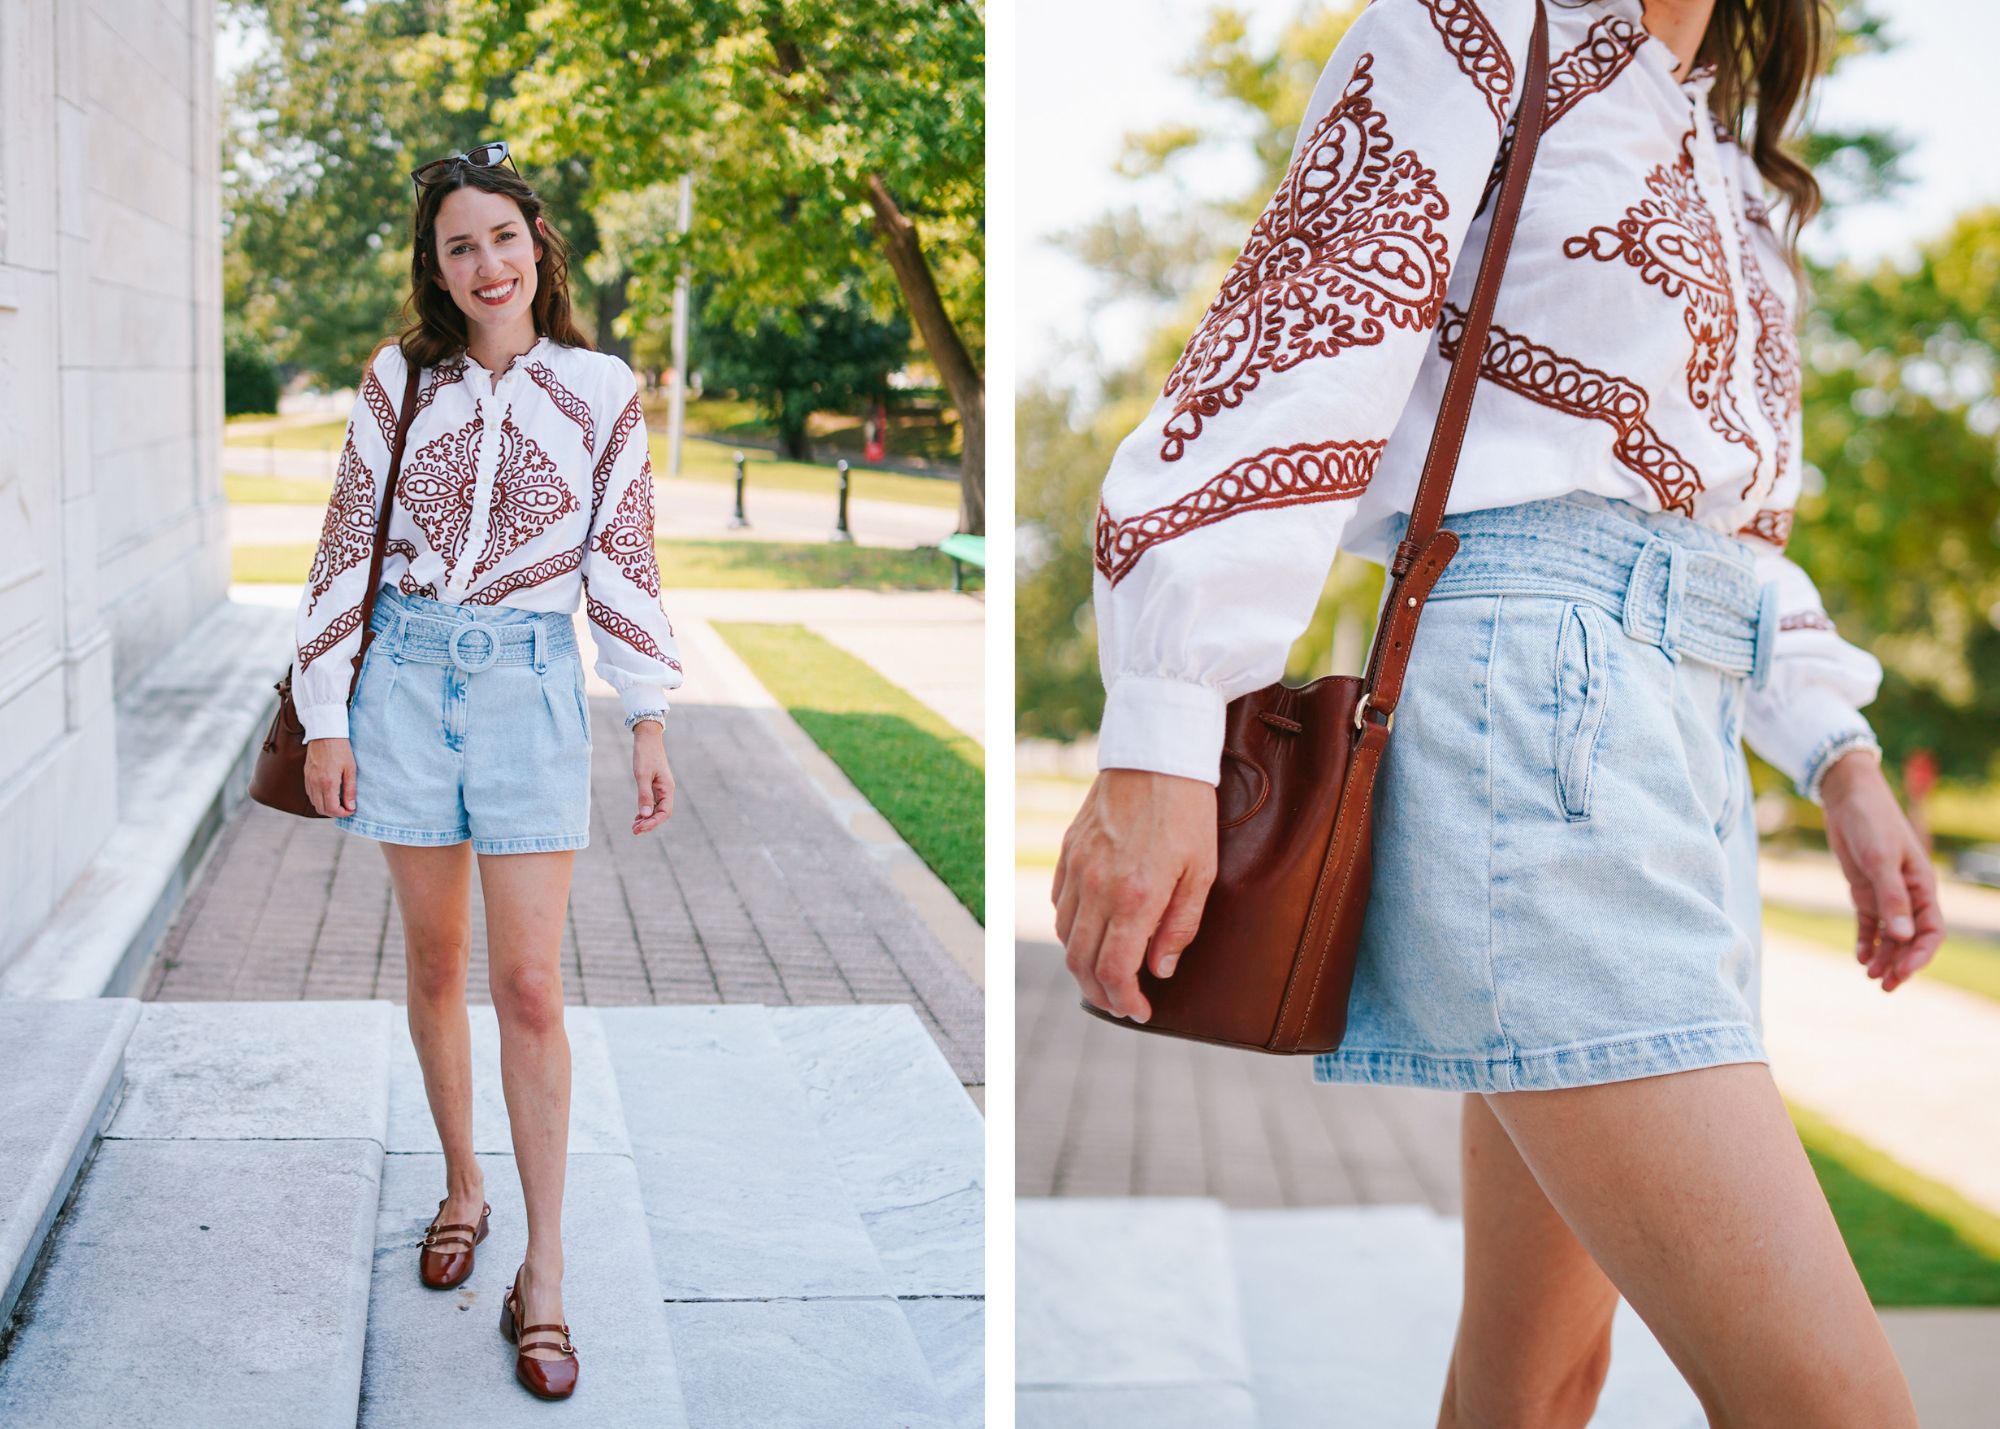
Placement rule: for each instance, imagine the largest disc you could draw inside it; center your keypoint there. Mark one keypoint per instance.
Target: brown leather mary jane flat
(553, 1377)
(446, 1257)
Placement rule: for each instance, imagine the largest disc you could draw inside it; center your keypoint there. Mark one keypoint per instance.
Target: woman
(1563, 920)
(524, 481)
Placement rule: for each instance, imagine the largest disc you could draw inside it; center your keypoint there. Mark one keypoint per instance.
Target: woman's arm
(637, 654)
(1221, 512)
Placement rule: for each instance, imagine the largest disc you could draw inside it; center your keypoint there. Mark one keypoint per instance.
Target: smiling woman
(439, 682)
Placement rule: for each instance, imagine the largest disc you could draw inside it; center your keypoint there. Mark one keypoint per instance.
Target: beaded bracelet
(632, 719)
(1829, 750)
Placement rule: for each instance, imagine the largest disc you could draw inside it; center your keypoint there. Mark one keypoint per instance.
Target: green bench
(964, 551)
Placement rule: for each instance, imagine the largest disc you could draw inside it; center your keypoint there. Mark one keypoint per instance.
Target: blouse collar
(1662, 57)
(493, 380)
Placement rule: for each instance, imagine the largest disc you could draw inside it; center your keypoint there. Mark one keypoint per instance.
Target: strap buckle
(1361, 715)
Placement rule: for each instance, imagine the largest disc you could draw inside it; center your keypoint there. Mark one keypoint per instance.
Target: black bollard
(739, 520)
(840, 531)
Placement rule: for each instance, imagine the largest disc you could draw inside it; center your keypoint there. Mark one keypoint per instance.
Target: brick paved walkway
(752, 892)
(1105, 1112)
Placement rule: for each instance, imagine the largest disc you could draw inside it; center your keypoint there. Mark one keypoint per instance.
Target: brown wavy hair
(436, 328)
(1767, 56)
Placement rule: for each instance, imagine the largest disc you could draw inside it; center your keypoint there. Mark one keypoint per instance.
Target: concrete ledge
(197, 1283)
(187, 730)
(62, 1073)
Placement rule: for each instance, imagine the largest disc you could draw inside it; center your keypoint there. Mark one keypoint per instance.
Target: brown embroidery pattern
(344, 625)
(442, 376)
(347, 536)
(1671, 239)
(1805, 620)
(404, 583)
(627, 538)
(1470, 40)
(1348, 242)
(626, 629)
(1282, 476)
(1775, 356)
(1583, 69)
(1543, 375)
(566, 402)
(529, 496)
(384, 410)
(621, 429)
(1772, 526)
(541, 572)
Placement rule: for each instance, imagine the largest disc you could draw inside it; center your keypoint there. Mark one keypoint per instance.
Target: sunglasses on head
(483, 156)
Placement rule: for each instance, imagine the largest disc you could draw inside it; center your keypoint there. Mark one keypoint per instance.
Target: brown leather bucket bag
(278, 779)
(1272, 964)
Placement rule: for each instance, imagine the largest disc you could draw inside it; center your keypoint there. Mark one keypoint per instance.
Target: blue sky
(1092, 71)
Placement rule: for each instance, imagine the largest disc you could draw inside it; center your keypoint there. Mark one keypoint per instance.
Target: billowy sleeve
(1808, 713)
(1221, 514)
(327, 631)
(636, 651)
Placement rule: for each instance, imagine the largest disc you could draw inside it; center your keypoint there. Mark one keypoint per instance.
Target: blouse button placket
(493, 411)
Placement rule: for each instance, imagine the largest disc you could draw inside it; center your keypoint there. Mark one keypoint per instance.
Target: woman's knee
(529, 998)
(437, 963)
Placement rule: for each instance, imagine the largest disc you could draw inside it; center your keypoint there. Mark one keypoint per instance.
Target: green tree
(824, 137)
(824, 357)
(323, 124)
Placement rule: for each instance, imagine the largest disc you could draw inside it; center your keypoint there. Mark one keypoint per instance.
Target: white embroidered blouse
(524, 490)
(1642, 347)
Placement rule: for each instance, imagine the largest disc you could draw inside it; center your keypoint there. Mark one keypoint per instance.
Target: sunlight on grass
(1915, 1242)
(1965, 962)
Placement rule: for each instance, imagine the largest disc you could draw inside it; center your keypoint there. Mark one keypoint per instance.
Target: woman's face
(486, 257)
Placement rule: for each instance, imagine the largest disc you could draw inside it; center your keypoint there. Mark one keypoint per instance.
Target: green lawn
(924, 775)
(1914, 1241)
(1970, 963)
(704, 461)
(707, 565)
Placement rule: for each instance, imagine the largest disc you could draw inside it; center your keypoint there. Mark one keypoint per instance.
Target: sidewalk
(1814, 881)
(756, 891)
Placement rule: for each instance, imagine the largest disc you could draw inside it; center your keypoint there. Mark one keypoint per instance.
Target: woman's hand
(1134, 873)
(330, 779)
(655, 780)
(1898, 926)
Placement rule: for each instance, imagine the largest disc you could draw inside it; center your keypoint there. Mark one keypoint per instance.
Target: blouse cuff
(1165, 725)
(323, 721)
(642, 700)
(1805, 736)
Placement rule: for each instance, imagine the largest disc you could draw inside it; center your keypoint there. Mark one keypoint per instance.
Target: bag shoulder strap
(403, 417)
(1425, 550)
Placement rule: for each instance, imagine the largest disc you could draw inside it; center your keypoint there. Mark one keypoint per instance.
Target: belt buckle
(458, 656)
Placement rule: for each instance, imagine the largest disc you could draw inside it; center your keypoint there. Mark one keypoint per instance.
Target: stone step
(1349, 1314)
(763, 1250)
(1128, 1315)
(436, 1357)
(214, 1265)
(63, 1070)
(909, 1145)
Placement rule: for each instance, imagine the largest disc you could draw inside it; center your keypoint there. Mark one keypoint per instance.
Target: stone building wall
(112, 522)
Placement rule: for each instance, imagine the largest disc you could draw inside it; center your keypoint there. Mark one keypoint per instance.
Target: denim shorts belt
(471, 644)
(1671, 583)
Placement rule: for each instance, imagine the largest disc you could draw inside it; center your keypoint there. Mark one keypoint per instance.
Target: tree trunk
(962, 379)
(610, 303)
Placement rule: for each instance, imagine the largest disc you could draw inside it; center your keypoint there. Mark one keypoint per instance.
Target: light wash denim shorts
(1565, 866)
(469, 722)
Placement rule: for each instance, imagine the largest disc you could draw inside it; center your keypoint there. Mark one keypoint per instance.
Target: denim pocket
(1583, 685)
(582, 704)
(1736, 772)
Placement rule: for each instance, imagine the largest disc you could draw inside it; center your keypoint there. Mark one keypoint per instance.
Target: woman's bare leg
(1534, 1330)
(527, 896)
(1692, 1192)
(434, 890)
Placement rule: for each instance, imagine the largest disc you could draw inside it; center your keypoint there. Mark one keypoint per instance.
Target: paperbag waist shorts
(469, 722)
(1565, 866)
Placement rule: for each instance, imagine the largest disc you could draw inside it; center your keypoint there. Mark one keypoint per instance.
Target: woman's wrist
(639, 718)
(1857, 763)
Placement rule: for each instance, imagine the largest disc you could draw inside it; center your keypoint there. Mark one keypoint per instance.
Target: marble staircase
(772, 1216)
(1174, 1312)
